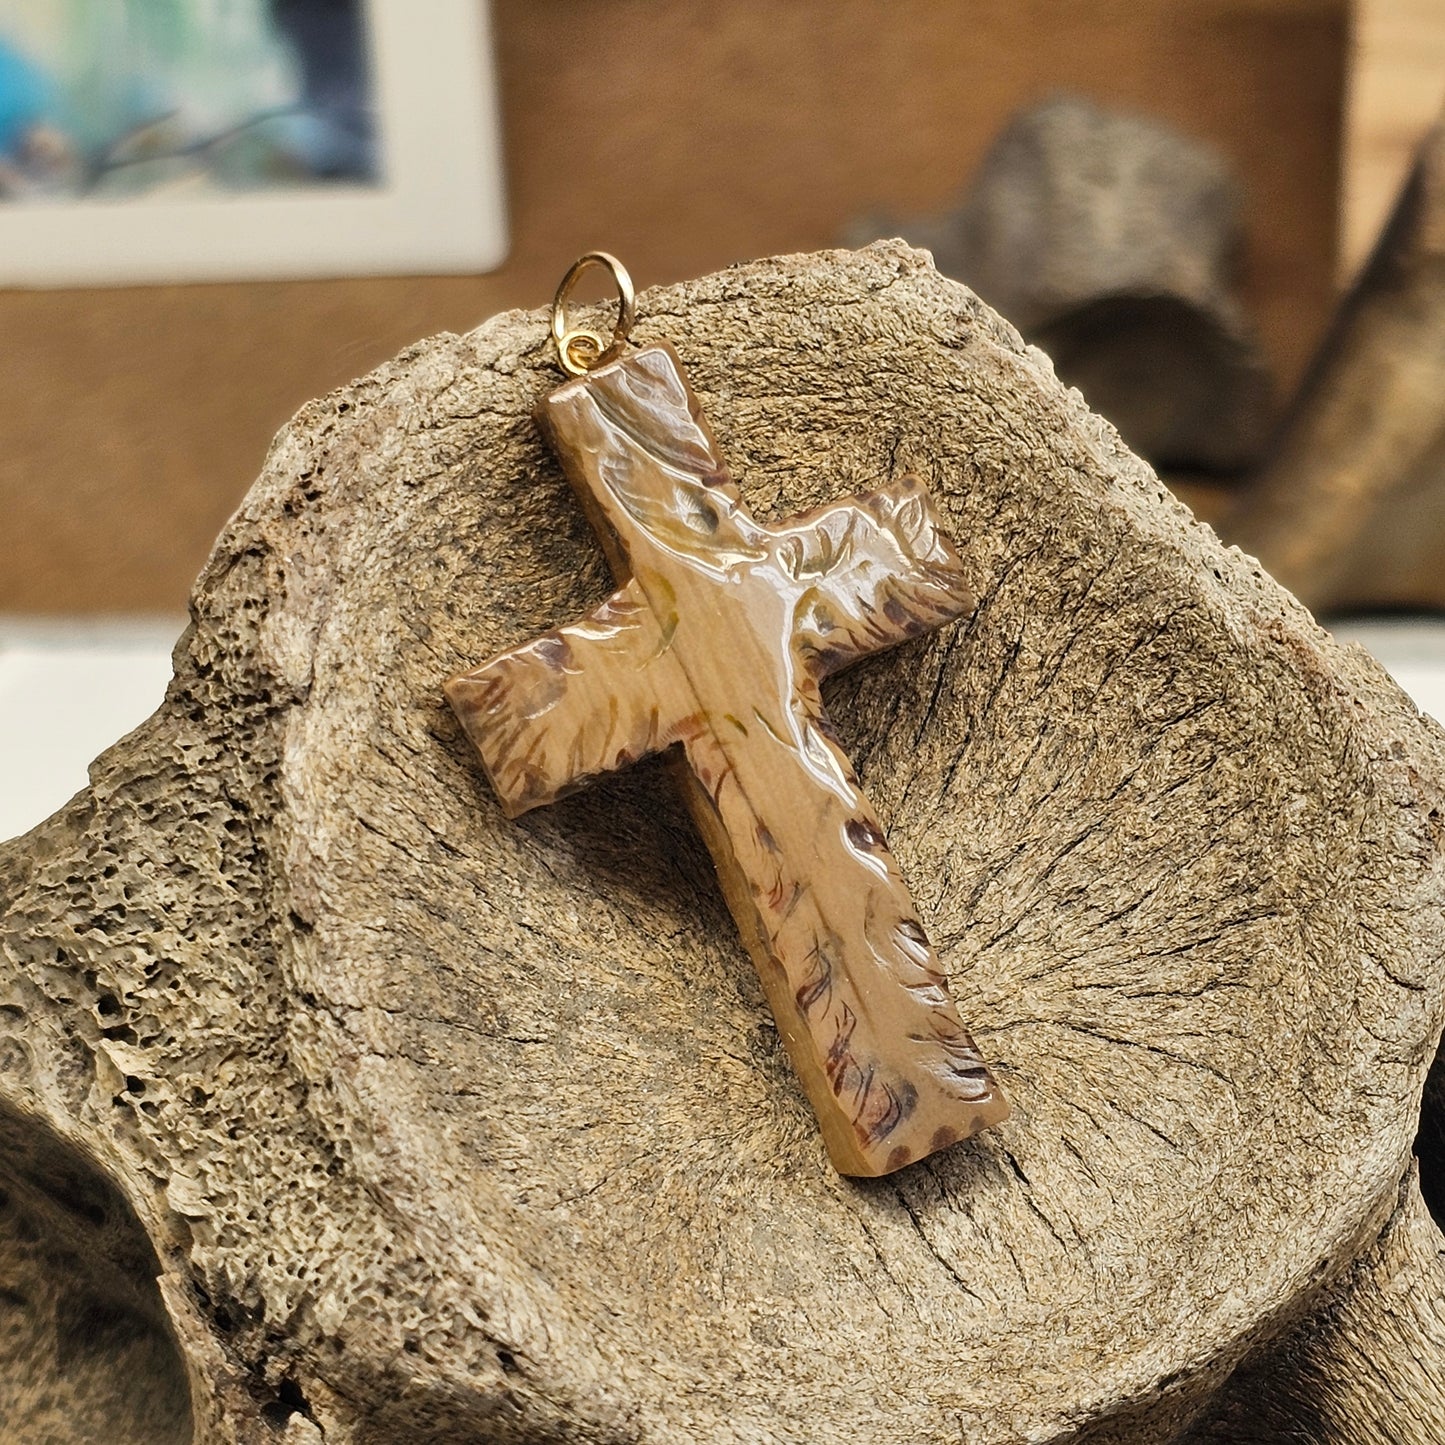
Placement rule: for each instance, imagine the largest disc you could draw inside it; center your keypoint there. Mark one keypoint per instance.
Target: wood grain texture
(1365, 1368)
(410, 1103)
(717, 642)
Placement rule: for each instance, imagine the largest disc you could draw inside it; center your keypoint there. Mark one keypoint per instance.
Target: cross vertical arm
(859, 994)
(645, 466)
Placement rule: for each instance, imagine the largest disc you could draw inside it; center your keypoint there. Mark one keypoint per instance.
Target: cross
(716, 640)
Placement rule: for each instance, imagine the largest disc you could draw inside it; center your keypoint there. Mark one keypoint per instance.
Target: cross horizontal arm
(877, 570)
(573, 703)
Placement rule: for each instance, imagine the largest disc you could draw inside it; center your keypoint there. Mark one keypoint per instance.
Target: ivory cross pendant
(716, 639)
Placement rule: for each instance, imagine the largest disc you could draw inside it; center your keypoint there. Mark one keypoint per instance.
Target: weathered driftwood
(442, 1127)
(1113, 241)
(717, 641)
(1350, 509)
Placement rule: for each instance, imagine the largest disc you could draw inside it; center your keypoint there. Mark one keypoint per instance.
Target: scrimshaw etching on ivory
(715, 641)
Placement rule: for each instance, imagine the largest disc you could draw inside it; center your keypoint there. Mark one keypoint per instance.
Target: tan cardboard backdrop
(682, 136)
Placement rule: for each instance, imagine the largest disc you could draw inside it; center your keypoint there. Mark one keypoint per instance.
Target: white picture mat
(440, 206)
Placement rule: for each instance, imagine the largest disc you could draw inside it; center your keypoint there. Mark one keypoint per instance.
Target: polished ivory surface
(716, 640)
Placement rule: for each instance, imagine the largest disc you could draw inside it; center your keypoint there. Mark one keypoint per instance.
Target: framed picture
(206, 140)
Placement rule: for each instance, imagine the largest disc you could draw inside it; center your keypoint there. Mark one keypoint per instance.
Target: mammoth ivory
(339, 1107)
(717, 641)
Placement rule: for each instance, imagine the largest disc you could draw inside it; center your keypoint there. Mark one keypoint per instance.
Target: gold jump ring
(579, 349)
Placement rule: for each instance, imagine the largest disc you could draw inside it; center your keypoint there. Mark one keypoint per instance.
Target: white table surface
(70, 689)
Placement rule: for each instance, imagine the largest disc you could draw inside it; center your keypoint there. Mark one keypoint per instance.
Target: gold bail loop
(579, 349)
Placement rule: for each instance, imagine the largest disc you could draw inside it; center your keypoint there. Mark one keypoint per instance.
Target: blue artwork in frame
(114, 105)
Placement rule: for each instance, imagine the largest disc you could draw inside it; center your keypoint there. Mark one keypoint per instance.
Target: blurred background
(1172, 196)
